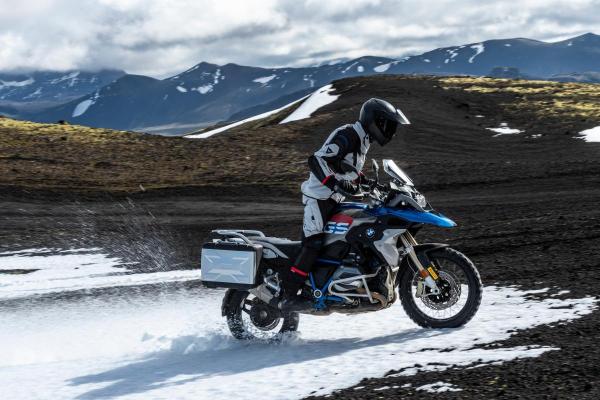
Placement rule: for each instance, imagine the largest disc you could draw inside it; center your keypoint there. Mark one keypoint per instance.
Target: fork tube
(409, 242)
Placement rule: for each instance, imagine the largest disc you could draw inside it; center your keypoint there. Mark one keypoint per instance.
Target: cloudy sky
(162, 37)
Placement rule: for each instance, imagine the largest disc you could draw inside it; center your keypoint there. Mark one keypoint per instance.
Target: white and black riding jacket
(347, 144)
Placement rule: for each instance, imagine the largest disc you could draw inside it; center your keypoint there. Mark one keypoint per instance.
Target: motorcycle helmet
(380, 120)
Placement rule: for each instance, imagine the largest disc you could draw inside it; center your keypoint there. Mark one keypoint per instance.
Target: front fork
(428, 274)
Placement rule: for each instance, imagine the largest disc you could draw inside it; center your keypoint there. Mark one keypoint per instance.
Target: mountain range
(38, 89)
(207, 94)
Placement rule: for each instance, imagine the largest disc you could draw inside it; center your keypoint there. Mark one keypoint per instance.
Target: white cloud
(160, 37)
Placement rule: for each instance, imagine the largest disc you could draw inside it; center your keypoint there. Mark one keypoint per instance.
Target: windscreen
(390, 168)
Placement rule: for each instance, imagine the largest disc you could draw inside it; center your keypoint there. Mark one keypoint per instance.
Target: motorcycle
(369, 259)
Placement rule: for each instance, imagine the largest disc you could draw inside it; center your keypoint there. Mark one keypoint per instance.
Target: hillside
(449, 118)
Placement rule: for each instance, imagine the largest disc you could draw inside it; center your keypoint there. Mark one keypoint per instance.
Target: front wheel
(460, 295)
(249, 318)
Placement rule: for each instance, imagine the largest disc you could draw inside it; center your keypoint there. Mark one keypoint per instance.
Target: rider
(335, 171)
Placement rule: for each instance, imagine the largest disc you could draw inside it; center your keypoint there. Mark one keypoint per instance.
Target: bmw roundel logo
(370, 232)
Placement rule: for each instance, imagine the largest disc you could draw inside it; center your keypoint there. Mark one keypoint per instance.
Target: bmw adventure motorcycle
(370, 258)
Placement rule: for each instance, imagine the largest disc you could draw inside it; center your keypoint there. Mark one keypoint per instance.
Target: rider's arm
(326, 162)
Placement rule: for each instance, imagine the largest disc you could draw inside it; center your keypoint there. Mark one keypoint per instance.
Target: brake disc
(450, 291)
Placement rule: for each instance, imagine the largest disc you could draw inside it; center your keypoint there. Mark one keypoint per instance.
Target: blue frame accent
(328, 261)
(320, 303)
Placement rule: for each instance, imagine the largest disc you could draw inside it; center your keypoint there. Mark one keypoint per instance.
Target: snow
(383, 67)
(479, 48)
(37, 93)
(591, 135)
(175, 345)
(427, 60)
(360, 68)
(181, 89)
(316, 100)
(70, 270)
(349, 67)
(265, 79)
(453, 53)
(204, 135)
(570, 44)
(83, 106)
(439, 387)
(72, 77)
(204, 89)
(507, 44)
(504, 130)
(26, 82)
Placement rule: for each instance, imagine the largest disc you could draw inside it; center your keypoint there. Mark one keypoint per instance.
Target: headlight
(421, 200)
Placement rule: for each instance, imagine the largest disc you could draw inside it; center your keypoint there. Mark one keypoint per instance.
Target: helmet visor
(401, 118)
(389, 128)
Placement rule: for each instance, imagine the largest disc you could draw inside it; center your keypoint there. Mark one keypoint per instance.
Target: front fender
(422, 250)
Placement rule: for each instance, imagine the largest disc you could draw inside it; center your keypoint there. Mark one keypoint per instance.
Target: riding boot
(299, 273)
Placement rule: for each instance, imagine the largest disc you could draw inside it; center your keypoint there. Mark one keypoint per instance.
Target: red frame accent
(299, 272)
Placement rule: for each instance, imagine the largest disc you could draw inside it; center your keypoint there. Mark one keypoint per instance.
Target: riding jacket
(348, 144)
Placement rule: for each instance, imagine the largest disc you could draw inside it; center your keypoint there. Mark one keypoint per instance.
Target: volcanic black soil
(526, 205)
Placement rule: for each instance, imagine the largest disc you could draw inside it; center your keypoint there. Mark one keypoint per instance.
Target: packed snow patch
(591, 135)
(181, 89)
(504, 130)
(360, 68)
(204, 89)
(479, 48)
(82, 107)
(384, 67)
(318, 99)
(204, 135)
(72, 77)
(26, 82)
(439, 387)
(55, 270)
(265, 79)
(176, 345)
(349, 67)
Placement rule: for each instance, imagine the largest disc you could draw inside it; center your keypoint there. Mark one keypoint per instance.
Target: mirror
(390, 168)
(375, 169)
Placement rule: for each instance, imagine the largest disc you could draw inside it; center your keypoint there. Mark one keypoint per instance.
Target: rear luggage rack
(239, 234)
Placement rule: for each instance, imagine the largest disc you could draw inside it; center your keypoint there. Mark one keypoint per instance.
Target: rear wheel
(249, 318)
(460, 295)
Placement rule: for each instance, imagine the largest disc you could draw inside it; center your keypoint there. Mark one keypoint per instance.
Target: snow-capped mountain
(209, 93)
(530, 57)
(51, 86)
(200, 96)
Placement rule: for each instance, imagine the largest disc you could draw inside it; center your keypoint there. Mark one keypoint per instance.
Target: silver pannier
(230, 263)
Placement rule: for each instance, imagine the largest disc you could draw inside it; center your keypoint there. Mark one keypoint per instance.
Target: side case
(229, 264)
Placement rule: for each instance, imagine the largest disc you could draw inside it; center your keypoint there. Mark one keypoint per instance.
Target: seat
(288, 247)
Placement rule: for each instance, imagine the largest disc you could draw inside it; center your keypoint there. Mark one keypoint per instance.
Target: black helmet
(380, 120)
